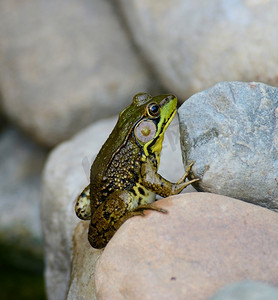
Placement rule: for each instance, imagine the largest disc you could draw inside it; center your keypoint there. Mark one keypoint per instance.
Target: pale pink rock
(204, 242)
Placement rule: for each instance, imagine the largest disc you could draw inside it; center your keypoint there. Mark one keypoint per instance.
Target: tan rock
(83, 265)
(204, 242)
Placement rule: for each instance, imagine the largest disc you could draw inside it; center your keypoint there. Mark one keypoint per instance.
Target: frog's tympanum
(124, 178)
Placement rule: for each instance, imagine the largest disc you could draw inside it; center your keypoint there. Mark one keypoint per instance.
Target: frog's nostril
(171, 97)
(167, 99)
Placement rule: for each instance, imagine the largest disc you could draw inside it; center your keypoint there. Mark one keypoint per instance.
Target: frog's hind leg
(82, 206)
(109, 216)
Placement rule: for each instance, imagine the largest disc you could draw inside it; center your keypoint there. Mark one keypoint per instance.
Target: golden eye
(145, 131)
(153, 110)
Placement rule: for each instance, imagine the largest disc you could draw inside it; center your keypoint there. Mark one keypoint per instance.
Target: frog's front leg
(111, 214)
(159, 185)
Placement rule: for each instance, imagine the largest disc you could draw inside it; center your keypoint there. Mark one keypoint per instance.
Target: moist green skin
(124, 178)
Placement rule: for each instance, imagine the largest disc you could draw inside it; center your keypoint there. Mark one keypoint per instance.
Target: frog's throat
(155, 145)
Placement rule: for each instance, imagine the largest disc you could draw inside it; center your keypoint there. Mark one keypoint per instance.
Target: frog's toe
(149, 206)
(83, 205)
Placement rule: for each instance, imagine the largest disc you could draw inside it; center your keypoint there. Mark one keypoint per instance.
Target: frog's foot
(143, 207)
(82, 206)
(182, 183)
(186, 174)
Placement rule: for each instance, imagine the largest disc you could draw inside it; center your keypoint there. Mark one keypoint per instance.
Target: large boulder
(194, 44)
(64, 64)
(205, 242)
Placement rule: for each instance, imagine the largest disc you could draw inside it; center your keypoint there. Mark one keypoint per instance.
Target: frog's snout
(167, 100)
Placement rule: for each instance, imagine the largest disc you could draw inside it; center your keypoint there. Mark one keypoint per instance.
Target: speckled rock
(64, 64)
(204, 242)
(231, 132)
(195, 44)
(21, 163)
(65, 174)
(247, 290)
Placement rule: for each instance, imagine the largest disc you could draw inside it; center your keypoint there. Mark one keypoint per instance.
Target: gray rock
(195, 44)
(247, 290)
(64, 64)
(65, 174)
(231, 132)
(21, 163)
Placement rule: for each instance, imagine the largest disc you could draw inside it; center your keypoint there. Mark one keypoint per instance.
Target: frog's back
(117, 165)
(104, 158)
(114, 159)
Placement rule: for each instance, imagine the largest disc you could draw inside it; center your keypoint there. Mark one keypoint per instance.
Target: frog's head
(149, 117)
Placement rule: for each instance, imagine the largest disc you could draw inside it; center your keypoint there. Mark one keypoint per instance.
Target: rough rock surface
(231, 132)
(66, 173)
(247, 290)
(21, 163)
(64, 64)
(194, 44)
(204, 242)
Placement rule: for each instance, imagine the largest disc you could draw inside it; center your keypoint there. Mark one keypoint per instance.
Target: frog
(124, 178)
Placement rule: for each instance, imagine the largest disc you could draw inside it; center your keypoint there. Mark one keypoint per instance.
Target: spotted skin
(83, 205)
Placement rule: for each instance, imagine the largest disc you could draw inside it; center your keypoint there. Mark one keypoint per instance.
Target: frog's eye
(145, 131)
(153, 110)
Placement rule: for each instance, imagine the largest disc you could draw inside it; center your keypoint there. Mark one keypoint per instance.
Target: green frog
(124, 179)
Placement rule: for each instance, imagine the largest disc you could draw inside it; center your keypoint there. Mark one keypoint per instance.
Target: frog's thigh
(82, 206)
(109, 216)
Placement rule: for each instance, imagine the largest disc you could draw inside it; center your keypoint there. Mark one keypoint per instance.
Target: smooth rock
(204, 242)
(247, 290)
(21, 163)
(64, 64)
(194, 44)
(65, 174)
(230, 131)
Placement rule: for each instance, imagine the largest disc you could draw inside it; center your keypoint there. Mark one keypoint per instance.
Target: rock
(195, 44)
(65, 174)
(64, 64)
(21, 163)
(231, 132)
(83, 265)
(247, 290)
(3, 121)
(204, 242)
